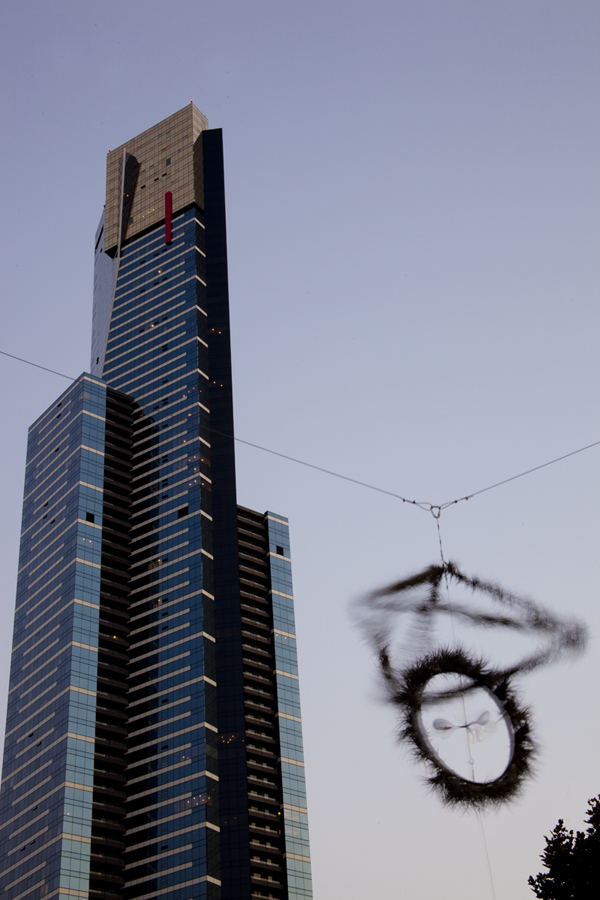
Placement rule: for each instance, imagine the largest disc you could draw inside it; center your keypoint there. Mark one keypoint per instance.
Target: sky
(413, 220)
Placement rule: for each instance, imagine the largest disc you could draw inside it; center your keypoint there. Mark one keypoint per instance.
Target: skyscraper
(153, 744)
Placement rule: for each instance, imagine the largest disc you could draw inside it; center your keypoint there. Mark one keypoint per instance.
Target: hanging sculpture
(461, 715)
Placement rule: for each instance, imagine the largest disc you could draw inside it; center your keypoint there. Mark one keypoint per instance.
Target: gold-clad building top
(165, 155)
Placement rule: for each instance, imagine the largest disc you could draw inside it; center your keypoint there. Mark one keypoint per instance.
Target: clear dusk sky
(413, 220)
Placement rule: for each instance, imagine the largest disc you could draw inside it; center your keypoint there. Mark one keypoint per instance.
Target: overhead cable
(434, 508)
(29, 363)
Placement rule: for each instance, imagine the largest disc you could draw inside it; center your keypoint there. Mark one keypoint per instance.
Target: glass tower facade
(273, 728)
(135, 765)
(67, 692)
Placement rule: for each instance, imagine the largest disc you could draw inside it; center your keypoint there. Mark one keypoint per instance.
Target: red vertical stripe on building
(168, 212)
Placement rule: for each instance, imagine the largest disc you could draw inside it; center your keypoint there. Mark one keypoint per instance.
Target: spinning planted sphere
(460, 715)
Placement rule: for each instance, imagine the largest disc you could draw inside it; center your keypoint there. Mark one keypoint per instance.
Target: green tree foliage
(572, 860)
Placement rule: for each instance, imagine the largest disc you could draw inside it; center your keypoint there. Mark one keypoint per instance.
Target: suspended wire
(301, 462)
(468, 748)
(435, 509)
(29, 363)
(486, 852)
(513, 477)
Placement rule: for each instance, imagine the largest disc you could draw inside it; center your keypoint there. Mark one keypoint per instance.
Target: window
(168, 161)
(89, 517)
(182, 512)
(279, 551)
